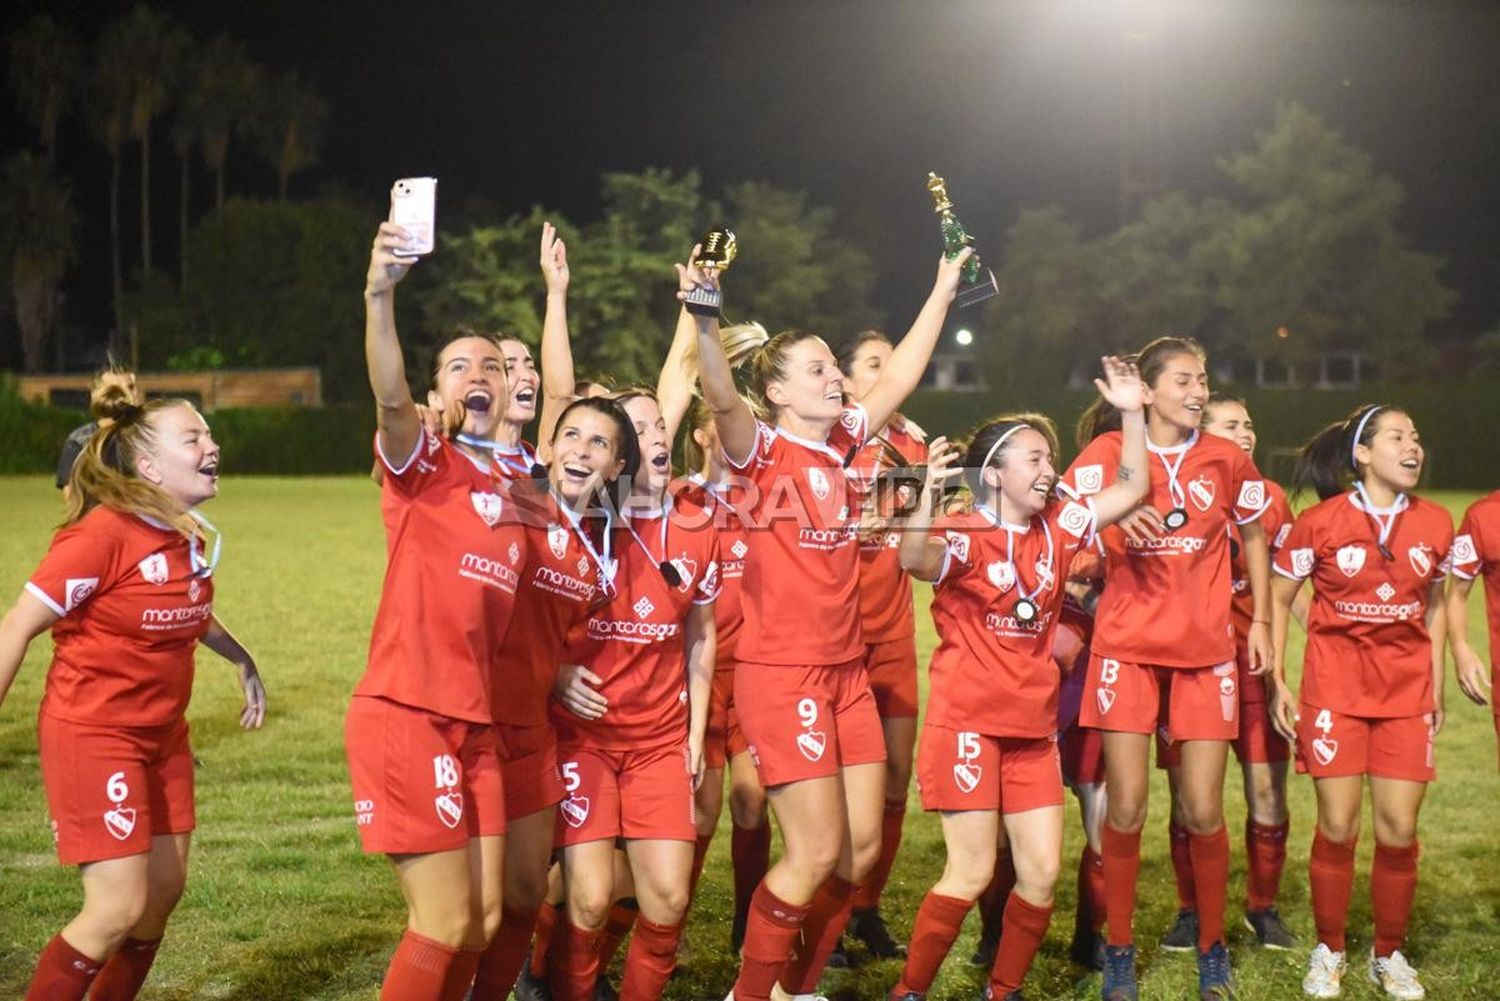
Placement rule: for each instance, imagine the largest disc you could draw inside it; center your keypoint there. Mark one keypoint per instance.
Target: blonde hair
(768, 364)
(105, 470)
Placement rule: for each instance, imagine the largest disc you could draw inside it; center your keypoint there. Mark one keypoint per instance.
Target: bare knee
(525, 889)
(1202, 813)
(863, 858)
(747, 807)
(1126, 813)
(1395, 830)
(1036, 878)
(588, 906)
(114, 919)
(812, 861)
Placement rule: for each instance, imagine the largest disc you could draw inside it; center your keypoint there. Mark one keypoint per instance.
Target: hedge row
(1457, 421)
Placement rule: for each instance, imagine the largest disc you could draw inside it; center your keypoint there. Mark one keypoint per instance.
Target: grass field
(282, 905)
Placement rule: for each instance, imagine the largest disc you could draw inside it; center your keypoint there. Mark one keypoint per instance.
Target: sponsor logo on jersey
(488, 571)
(1420, 557)
(1201, 493)
(1009, 625)
(1463, 550)
(76, 591)
(154, 568)
(1089, 479)
(966, 776)
(826, 539)
(120, 822)
(1370, 611)
(958, 545)
(850, 420)
(575, 810)
(739, 549)
(450, 808)
(487, 505)
(557, 540)
(561, 582)
(364, 812)
(1302, 562)
(1351, 559)
(1252, 495)
(1385, 592)
(195, 591)
(812, 744)
(1002, 575)
(643, 607)
(1167, 545)
(513, 553)
(818, 480)
(1075, 519)
(161, 619)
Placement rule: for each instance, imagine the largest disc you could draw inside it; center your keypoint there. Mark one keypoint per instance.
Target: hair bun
(114, 402)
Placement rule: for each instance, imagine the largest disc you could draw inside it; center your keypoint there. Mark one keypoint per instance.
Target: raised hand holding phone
(414, 209)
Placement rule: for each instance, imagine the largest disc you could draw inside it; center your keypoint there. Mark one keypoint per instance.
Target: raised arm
(1473, 679)
(732, 416)
(1121, 388)
(921, 555)
(674, 387)
(558, 376)
(397, 424)
(903, 373)
(26, 620)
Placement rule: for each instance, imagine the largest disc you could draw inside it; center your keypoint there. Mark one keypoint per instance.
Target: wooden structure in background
(263, 387)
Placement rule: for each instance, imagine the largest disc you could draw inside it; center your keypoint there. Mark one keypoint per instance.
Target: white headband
(1359, 432)
(1001, 441)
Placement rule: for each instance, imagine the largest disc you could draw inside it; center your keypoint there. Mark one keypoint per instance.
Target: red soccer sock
(827, 916)
(938, 923)
(501, 962)
(419, 970)
(122, 977)
(1025, 925)
(700, 855)
(750, 854)
(62, 973)
(1265, 854)
(992, 900)
(541, 944)
(1182, 866)
(575, 962)
(1090, 915)
(650, 960)
(1122, 866)
(1393, 884)
(461, 974)
(867, 897)
(1330, 877)
(1211, 880)
(770, 934)
(621, 919)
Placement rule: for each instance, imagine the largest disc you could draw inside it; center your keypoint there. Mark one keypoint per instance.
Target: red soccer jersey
(1476, 552)
(455, 551)
(1368, 649)
(1276, 523)
(993, 672)
(1166, 603)
(885, 605)
(562, 580)
(801, 579)
(514, 462)
(734, 546)
(133, 609)
(636, 641)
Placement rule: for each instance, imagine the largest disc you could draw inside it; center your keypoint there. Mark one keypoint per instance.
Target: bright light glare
(964, 338)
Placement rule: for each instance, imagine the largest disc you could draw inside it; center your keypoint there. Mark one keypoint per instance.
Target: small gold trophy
(717, 250)
(978, 281)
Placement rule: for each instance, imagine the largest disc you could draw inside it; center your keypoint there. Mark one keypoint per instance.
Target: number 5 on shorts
(968, 745)
(571, 780)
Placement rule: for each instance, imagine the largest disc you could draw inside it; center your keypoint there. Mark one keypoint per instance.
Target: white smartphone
(414, 209)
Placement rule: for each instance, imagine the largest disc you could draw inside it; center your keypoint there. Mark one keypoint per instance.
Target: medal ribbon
(1010, 554)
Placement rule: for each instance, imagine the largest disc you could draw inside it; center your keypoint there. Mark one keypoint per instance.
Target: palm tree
(45, 63)
(289, 128)
(140, 55)
(37, 227)
(109, 120)
(220, 101)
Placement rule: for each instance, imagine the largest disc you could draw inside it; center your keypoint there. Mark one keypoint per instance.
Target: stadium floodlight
(964, 338)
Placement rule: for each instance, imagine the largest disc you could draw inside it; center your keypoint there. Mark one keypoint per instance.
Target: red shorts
(963, 770)
(422, 782)
(1193, 703)
(892, 667)
(636, 795)
(1082, 752)
(723, 738)
(807, 722)
(1330, 745)
(1258, 742)
(528, 761)
(110, 790)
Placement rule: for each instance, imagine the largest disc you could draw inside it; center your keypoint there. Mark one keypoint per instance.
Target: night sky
(1016, 103)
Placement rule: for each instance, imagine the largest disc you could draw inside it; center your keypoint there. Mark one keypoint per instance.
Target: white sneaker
(1325, 973)
(779, 993)
(1396, 977)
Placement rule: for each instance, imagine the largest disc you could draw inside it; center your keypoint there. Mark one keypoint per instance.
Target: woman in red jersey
(1163, 648)
(419, 733)
(888, 623)
(1476, 553)
(1262, 752)
(127, 590)
(1371, 698)
(802, 695)
(631, 751)
(989, 742)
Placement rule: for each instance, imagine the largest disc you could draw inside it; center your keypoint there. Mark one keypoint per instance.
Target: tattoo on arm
(1126, 473)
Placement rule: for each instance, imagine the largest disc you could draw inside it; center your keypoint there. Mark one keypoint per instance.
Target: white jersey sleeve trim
(1254, 517)
(45, 599)
(1287, 573)
(742, 464)
(391, 466)
(1455, 571)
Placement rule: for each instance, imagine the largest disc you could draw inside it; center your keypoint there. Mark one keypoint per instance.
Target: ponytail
(1326, 462)
(1152, 360)
(105, 470)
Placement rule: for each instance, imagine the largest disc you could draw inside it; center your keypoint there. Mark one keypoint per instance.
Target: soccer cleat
(839, 958)
(529, 988)
(984, 952)
(1270, 931)
(1087, 951)
(989, 995)
(1183, 936)
(1396, 977)
(869, 927)
(1325, 973)
(1119, 974)
(1214, 980)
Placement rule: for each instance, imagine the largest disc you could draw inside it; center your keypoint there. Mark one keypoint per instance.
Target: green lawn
(281, 904)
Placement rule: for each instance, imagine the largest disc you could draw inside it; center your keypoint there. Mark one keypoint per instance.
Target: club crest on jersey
(487, 505)
(687, 569)
(1043, 570)
(1351, 559)
(709, 585)
(812, 744)
(818, 480)
(1089, 479)
(1252, 495)
(958, 545)
(1002, 575)
(575, 810)
(1075, 518)
(154, 568)
(1420, 557)
(966, 776)
(450, 808)
(1325, 749)
(557, 540)
(1302, 562)
(76, 591)
(1201, 493)
(120, 822)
